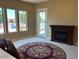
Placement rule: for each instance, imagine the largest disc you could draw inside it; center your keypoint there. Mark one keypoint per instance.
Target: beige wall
(61, 12)
(30, 8)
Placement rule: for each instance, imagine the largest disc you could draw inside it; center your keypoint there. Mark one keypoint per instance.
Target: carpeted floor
(70, 50)
(41, 50)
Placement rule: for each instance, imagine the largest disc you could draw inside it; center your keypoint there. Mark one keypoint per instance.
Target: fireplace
(62, 33)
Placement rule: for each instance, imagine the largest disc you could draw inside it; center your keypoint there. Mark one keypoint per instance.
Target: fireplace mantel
(62, 33)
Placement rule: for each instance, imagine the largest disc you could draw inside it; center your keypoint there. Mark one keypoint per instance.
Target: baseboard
(49, 38)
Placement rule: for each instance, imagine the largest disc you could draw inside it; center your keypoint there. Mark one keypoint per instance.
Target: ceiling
(35, 1)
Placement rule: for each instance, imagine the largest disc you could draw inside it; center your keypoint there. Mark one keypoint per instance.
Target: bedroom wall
(61, 12)
(30, 8)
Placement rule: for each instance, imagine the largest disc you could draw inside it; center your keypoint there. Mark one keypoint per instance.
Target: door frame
(37, 21)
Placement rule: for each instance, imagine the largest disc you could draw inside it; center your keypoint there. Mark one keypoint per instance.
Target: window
(42, 22)
(11, 19)
(15, 20)
(1, 21)
(22, 20)
(42, 18)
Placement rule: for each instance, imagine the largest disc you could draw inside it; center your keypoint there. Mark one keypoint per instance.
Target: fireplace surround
(62, 33)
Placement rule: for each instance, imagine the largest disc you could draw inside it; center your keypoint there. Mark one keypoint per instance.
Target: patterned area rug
(41, 50)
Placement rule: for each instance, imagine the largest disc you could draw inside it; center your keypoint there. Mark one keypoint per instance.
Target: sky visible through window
(11, 17)
(11, 13)
(0, 10)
